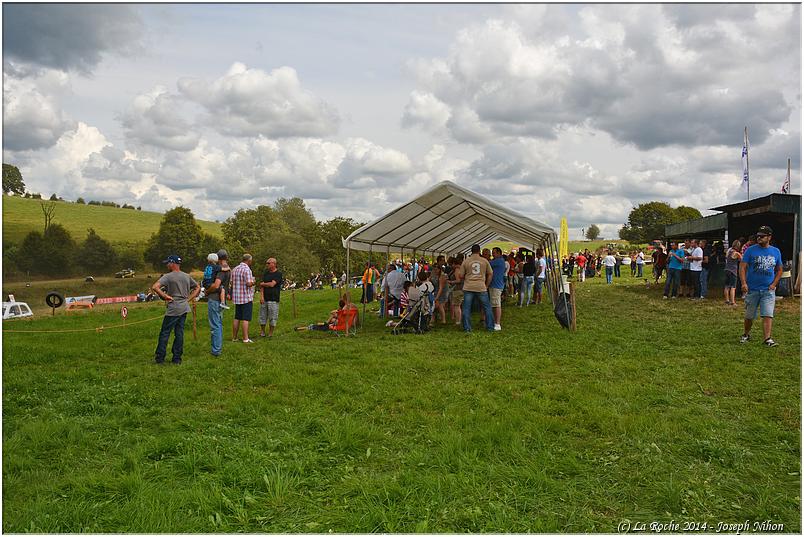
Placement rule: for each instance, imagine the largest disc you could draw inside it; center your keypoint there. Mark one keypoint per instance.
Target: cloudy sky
(581, 111)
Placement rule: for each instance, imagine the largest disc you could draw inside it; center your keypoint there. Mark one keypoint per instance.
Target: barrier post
(573, 324)
(293, 299)
(195, 334)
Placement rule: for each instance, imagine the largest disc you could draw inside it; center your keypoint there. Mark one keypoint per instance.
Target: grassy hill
(21, 216)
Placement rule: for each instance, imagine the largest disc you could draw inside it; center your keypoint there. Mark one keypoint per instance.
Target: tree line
(287, 230)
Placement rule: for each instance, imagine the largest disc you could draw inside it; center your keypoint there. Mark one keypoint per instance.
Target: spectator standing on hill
(733, 257)
(760, 271)
(216, 296)
(611, 263)
(675, 262)
(509, 280)
(696, 268)
(499, 268)
(456, 281)
(640, 262)
(706, 262)
(618, 263)
(271, 287)
(528, 276)
(686, 278)
(370, 277)
(659, 262)
(393, 284)
(180, 289)
(243, 297)
(541, 274)
(581, 260)
(477, 273)
(444, 289)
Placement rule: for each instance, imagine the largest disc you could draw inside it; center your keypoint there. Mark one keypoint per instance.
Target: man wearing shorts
(499, 268)
(270, 286)
(760, 272)
(243, 297)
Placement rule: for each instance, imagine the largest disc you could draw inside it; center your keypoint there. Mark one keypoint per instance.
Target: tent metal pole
(365, 293)
(348, 294)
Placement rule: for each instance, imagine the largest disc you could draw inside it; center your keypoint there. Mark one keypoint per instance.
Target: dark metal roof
(699, 227)
(775, 203)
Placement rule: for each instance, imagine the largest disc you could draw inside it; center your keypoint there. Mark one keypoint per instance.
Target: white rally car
(16, 310)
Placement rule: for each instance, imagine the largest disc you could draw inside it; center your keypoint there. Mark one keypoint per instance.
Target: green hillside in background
(21, 216)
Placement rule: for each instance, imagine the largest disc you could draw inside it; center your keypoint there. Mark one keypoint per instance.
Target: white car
(15, 310)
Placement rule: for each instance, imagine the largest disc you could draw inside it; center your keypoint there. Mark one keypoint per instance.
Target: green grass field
(21, 216)
(652, 411)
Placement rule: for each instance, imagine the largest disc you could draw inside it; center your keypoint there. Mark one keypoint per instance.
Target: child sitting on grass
(331, 322)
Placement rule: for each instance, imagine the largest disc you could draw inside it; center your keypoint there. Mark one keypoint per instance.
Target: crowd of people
(751, 265)
(447, 289)
(450, 287)
(589, 264)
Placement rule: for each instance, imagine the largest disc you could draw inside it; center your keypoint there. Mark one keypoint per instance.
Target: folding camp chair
(347, 321)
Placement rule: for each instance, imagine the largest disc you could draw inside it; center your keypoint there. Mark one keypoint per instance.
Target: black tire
(54, 299)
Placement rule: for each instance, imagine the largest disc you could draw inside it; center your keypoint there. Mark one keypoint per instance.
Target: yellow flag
(563, 239)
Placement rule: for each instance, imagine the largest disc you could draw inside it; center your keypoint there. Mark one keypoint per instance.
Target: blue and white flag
(786, 184)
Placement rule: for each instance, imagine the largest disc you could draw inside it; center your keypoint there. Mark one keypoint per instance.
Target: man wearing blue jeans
(611, 263)
(760, 272)
(180, 290)
(675, 262)
(214, 306)
(477, 274)
(707, 252)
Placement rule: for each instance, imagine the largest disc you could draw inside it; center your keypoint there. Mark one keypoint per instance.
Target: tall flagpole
(787, 184)
(747, 179)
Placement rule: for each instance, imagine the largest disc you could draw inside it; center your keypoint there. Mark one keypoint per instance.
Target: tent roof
(447, 219)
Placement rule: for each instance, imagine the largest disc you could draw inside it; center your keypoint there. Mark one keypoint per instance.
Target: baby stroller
(417, 316)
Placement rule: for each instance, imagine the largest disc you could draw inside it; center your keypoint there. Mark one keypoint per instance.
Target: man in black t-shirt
(271, 286)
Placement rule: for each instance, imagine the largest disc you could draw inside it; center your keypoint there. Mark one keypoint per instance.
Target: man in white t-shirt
(541, 274)
(609, 262)
(696, 266)
(640, 261)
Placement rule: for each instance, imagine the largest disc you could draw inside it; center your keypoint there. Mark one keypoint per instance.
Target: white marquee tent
(447, 219)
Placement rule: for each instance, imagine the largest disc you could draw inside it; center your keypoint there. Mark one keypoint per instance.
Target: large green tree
(592, 232)
(51, 253)
(264, 233)
(12, 180)
(130, 255)
(179, 234)
(246, 228)
(298, 218)
(330, 248)
(684, 213)
(96, 255)
(646, 222)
